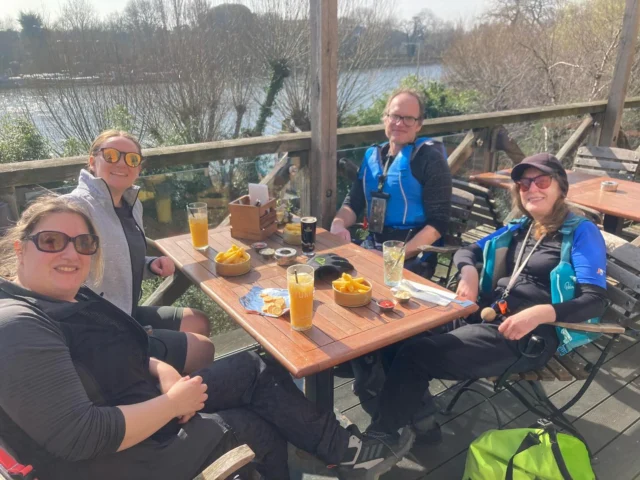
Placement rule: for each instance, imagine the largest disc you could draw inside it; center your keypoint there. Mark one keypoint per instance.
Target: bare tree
(364, 28)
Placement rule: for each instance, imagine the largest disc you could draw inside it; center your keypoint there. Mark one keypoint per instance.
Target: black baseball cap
(545, 162)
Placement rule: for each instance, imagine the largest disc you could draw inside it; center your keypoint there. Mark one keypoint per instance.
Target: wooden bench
(623, 290)
(608, 162)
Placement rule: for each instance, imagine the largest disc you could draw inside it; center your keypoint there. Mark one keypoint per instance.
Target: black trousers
(470, 350)
(262, 407)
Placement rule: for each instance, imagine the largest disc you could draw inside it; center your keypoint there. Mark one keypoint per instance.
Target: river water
(373, 83)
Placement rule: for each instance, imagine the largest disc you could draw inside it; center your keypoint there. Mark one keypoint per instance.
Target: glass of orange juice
(300, 284)
(198, 225)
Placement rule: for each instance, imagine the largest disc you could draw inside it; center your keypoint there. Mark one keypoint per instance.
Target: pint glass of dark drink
(308, 235)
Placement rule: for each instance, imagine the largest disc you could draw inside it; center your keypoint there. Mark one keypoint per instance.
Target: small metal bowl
(386, 309)
(286, 256)
(267, 253)
(259, 246)
(402, 296)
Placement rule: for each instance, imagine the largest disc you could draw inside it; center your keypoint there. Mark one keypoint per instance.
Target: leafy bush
(441, 101)
(20, 140)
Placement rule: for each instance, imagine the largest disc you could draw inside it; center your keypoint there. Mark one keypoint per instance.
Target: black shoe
(368, 373)
(427, 431)
(371, 454)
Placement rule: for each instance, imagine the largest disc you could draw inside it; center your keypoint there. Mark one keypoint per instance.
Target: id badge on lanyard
(378, 211)
(379, 202)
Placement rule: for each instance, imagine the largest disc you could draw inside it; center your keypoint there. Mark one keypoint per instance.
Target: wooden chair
(222, 468)
(484, 215)
(462, 203)
(607, 162)
(623, 290)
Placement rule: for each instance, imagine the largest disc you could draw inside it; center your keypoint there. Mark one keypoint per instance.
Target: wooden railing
(478, 126)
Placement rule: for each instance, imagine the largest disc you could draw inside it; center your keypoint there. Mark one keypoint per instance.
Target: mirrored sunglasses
(54, 242)
(112, 155)
(541, 181)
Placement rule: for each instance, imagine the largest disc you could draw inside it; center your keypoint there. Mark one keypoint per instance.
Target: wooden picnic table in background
(584, 189)
(338, 334)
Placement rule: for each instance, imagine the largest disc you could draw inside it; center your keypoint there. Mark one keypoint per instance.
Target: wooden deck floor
(608, 416)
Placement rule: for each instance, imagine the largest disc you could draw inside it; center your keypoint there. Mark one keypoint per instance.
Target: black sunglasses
(406, 119)
(541, 181)
(54, 242)
(113, 155)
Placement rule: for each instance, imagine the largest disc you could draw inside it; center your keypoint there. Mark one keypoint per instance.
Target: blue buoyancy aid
(563, 277)
(405, 206)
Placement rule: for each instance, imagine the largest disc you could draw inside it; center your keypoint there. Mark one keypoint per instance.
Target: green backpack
(528, 454)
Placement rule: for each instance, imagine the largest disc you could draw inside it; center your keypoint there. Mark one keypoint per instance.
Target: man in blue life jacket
(403, 184)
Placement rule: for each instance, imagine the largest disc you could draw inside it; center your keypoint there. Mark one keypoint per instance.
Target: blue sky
(447, 9)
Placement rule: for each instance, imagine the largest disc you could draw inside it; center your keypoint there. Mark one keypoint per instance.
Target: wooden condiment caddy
(252, 222)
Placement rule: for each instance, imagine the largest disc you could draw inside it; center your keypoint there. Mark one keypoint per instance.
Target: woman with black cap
(548, 265)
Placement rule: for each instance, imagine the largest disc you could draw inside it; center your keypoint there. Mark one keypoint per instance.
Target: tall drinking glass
(393, 261)
(198, 225)
(300, 283)
(308, 235)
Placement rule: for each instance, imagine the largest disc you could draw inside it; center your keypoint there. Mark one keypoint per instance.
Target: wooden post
(593, 137)
(9, 211)
(626, 51)
(323, 109)
(575, 139)
(462, 152)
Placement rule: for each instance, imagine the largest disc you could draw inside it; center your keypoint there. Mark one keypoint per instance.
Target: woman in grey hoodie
(180, 336)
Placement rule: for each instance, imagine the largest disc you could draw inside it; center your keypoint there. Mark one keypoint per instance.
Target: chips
(273, 305)
(293, 228)
(235, 254)
(348, 284)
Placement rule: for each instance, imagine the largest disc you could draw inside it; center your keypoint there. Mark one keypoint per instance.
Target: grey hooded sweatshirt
(117, 281)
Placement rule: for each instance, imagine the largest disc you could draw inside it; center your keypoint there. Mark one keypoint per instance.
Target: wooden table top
(623, 203)
(338, 333)
(502, 178)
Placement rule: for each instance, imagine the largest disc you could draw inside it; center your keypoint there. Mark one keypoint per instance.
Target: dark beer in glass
(308, 235)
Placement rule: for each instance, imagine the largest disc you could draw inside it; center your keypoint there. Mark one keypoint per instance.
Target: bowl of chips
(292, 234)
(351, 291)
(232, 263)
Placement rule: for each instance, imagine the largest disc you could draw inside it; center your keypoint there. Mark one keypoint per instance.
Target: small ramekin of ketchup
(386, 305)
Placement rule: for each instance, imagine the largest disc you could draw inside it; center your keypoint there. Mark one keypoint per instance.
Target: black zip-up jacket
(64, 368)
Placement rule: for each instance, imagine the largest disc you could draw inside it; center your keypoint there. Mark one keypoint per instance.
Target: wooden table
(584, 189)
(338, 334)
(616, 206)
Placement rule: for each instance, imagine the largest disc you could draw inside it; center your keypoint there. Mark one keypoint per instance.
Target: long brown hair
(40, 209)
(106, 135)
(559, 212)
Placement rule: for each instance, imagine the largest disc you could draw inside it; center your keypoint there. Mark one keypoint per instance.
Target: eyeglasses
(541, 181)
(407, 120)
(112, 155)
(54, 242)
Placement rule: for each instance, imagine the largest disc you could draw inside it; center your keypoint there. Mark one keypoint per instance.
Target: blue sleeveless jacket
(404, 208)
(563, 277)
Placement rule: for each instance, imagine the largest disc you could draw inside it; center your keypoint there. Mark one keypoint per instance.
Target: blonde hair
(409, 91)
(40, 209)
(106, 135)
(558, 214)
